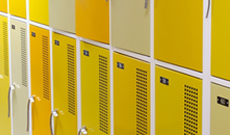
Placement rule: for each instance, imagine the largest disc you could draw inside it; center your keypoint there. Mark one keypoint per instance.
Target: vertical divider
(152, 71)
(206, 70)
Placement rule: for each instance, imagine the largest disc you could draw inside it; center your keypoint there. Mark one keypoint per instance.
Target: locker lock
(83, 130)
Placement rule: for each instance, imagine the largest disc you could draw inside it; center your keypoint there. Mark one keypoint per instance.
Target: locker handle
(83, 130)
(30, 100)
(146, 4)
(208, 9)
(12, 87)
(53, 113)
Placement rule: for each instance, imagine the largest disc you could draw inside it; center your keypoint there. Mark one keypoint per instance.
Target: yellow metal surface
(39, 11)
(131, 96)
(220, 114)
(5, 124)
(130, 25)
(178, 103)
(62, 15)
(95, 89)
(18, 8)
(3, 6)
(40, 80)
(178, 32)
(93, 20)
(220, 40)
(65, 85)
(19, 76)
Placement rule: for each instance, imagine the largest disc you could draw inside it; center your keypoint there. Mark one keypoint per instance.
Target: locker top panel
(131, 96)
(38, 15)
(3, 6)
(219, 39)
(18, 8)
(62, 15)
(93, 20)
(130, 25)
(178, 28)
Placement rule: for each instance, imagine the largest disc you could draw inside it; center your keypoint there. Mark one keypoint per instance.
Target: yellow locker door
(220, 40)
(19, 76)
(131, 96)
(95, 89)
(93, 20)
(3, 6)
(178, 32)
(220, 112)
(38, 15)
(130, 25)
(62, 15)
(65, 85)
(178, 103)
(40, 80)
(5, 124)
(18, 8)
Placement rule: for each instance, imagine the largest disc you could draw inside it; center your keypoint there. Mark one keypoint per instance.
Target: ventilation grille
(71, 79)
(23, 57)
(103, 94)
(46, 70)
(141, 102)
(5, 46)
(190, 110)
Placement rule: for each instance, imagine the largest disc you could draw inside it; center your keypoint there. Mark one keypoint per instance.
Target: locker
(19, 76)
(219, 39)
(18, 8)
(93, 20)
(64, 85)
(95, 89)
(38, 15)
(178, 32)
(178, 103)
(40, 80)
(131, 96)
(3, 6)
(220, 110)
(5, 124)
(62, 15)
(130, 25)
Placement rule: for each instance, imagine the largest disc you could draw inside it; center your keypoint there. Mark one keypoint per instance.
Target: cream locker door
(62, 15)
(130, 22)
(220, 111)
(19, 77)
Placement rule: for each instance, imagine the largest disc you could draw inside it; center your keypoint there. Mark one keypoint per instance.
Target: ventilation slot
(103, 94)
(190, 110)
(71, 79)
(46, 70)
(23, 57)
(6, 49)
(141, 102)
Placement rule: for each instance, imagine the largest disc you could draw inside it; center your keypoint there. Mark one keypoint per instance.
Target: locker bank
(114, 67)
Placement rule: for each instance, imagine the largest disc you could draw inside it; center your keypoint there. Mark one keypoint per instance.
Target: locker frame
(207, 78)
